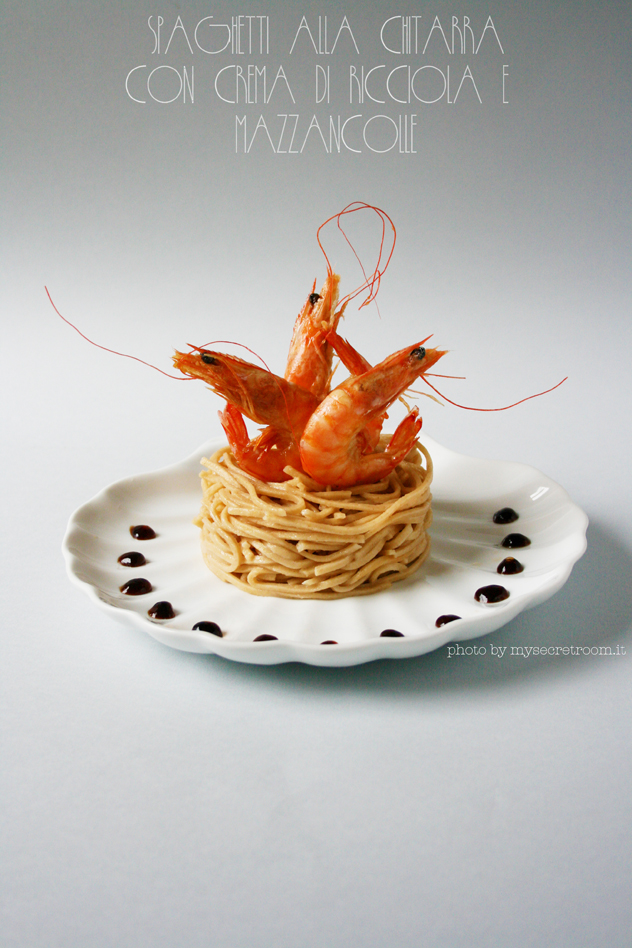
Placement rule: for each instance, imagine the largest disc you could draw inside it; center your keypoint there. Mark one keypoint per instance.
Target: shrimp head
(263, 397)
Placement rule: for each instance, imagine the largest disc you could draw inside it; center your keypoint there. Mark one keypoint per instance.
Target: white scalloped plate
(465, 553)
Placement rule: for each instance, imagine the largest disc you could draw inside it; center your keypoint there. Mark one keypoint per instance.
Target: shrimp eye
(313, 298)
(209, 359)
(419, 352)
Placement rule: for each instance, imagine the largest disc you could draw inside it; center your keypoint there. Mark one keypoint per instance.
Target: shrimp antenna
(504, 407)
(230, 342)
(372, 283)
(178, 378)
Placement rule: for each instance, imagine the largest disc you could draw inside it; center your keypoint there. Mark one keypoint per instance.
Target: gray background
(155, 798)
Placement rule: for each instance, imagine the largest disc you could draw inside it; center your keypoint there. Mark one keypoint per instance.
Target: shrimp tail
(352, 360)
(265, 456)
(355, 363)
(235, 429)
(404, 437)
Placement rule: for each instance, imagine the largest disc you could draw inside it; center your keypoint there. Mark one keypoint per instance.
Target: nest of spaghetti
(297, 540)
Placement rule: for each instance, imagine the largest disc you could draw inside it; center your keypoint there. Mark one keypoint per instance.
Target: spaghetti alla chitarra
(297, 540)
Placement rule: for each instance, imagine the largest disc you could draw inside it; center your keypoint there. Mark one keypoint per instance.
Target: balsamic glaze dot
(142, 532)
(266, 638)
(136, 587)
(514, 541)
(492, 593)
(211, 627)
(505, 515)
(391, 634)
(161, 610)
(132, 559)
(329, 642)
(509, 565)
(443, 620)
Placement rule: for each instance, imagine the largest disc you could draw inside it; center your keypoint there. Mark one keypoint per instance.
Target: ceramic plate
(466, 551)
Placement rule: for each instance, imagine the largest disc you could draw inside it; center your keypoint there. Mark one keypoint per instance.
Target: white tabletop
(157, 798)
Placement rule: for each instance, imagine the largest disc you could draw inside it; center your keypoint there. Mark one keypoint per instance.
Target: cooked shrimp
(309, 361)
(333, 441)
(310, 356)
(263, 397)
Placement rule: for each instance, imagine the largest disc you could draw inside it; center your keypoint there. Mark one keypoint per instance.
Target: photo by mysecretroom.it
(527, 651)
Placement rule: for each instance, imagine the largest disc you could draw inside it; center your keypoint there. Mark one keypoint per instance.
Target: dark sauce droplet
(142, 532)
(510, 565)
(132, 559)
(443, 620)
(211, 627)
(329, 642)
(136, 587)
(513, 541)
(391, 634)
(266, 638)
(491, 593)
(505, 515)
(161, 610)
